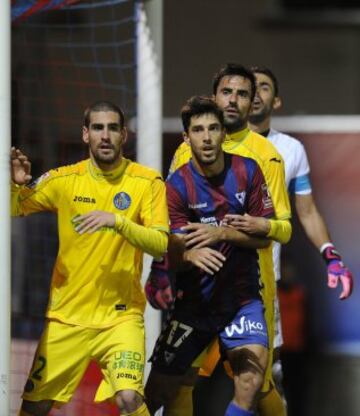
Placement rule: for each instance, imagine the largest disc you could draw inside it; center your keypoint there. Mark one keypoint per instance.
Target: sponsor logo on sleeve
(266, 199)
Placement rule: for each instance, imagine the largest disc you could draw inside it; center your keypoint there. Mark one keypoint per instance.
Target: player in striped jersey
(110, 210)
(221, 295)
(297, 179)
(233, 90)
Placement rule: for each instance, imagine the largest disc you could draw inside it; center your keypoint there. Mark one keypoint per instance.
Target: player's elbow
(161, 244)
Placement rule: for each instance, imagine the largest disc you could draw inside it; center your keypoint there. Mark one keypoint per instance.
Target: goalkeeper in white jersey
(297, 180)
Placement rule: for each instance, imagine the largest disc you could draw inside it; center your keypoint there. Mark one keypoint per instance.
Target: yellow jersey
(96, 277)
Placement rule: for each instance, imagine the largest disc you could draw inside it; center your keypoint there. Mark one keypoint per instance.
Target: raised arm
(20, 167)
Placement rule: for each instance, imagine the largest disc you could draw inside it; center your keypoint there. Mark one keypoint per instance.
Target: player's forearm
(280, 230)
(314, 227)
(241, 239)
(149, 240)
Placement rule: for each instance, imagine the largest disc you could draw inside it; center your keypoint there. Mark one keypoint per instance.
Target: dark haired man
(106, 219)
(267, 100)
(219, 293)
(234, 89)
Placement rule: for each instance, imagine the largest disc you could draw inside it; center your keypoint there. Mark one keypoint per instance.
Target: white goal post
(5, 293)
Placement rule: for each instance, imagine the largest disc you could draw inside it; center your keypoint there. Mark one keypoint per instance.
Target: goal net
(62, 60)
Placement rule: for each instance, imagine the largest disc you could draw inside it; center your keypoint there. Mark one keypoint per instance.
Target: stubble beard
(233, 125)
(109, 159)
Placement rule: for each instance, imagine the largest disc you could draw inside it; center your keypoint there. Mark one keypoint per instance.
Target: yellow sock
(140, 411)
(272, 404)
(182, 405)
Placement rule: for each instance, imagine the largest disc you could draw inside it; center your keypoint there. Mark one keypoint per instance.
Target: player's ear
(186, 137)
(124, 134)
(223, 132)
(85, 135)
(277, 104)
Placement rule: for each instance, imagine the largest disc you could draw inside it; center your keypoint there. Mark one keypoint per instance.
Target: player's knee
(247, 368)
(128, 401)
(40, 408)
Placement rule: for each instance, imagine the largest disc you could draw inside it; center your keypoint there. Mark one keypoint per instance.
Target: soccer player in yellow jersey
(234, 89)
(110, 210)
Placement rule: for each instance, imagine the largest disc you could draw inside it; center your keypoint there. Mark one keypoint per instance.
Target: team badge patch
(122, 200)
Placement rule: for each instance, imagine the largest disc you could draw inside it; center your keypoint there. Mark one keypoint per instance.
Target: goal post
(5, 292)
(149, 16)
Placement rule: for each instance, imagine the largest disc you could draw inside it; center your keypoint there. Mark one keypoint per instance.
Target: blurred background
(67, 54)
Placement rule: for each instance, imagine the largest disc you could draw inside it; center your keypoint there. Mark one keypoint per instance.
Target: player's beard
(233, 124)
(258, 116)
(107, 158)
(236, 122)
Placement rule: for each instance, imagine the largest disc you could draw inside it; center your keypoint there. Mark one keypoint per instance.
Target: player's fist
(337, 271)
(158, 291)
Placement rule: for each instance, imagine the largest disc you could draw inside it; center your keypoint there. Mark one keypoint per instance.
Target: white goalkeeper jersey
(297, 178)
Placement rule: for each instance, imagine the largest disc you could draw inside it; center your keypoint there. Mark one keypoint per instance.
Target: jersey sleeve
(181, 156)
(41, 195)
(259, 198)
(301, 183)
(154, 211)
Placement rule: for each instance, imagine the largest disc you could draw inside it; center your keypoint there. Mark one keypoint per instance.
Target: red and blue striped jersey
(239, 189)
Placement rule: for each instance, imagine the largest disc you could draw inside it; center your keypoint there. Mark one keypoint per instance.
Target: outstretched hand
(20, 167)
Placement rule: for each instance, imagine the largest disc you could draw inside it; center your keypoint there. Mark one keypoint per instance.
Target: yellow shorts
(65, 351)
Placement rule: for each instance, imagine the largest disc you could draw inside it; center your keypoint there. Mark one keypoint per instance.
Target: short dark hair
(197, 106)
(268, 72)
(234, 69)
(103, 106)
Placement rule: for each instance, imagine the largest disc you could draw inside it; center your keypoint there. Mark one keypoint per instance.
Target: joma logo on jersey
(126, 375)
(244, 325)
(86, 199)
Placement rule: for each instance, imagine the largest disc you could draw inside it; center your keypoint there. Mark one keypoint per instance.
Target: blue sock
(234, 410)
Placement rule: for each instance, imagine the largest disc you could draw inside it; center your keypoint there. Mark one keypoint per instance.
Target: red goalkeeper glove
(158, 289)
(337, 271)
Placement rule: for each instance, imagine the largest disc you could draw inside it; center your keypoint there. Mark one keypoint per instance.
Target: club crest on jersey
(122, 200)
(240, 196)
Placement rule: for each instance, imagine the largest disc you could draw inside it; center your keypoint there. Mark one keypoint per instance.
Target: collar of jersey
(110, 175)
(237, 137)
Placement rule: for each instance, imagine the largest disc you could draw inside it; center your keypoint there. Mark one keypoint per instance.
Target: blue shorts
(183, 339)
(247, 327)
